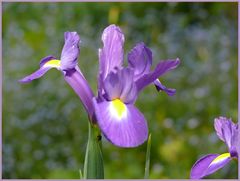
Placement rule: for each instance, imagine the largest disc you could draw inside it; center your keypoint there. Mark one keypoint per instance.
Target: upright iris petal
(70, 51)
(68, 66)
(111, 55)
(140, 59)
(118, 87)
(227, 131)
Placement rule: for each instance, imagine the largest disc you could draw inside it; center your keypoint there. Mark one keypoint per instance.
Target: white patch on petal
(118, 109)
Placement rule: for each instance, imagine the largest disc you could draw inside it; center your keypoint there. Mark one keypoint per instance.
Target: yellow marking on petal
(52, 63)
(221, 157)
(119, 107)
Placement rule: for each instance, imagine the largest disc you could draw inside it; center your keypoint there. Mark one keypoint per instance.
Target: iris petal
(46, 64)
(209, 164)
(70, 50)
(122, 124)
(112, 86)
(37, 74)
(226, 131)
(162, 68)
(140, 59)
(120, 84)
(112, 53)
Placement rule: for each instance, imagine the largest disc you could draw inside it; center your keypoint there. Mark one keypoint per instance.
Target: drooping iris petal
(225, 129)
(122, 124)
(218, 163)
(120, 85)
(162, 68)
(45, 64)
(140, 59)
(37, 74)
(111, 55)
(70, 50)
(160, 87)
(209, 164)
(200, 167)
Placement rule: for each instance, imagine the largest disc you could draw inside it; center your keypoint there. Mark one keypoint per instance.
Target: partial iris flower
(68, 66)
(227, 131)
(118, 87)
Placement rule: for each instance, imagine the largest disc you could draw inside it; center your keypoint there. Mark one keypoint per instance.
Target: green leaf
(80, 174)
(93, 164)
(147, 164)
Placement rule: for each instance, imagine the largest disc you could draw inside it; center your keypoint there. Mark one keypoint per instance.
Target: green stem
(93, 164)
(147, 164)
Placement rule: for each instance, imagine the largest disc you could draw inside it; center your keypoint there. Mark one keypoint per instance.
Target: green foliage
(93, 162)
(45, 127)
(148, 153)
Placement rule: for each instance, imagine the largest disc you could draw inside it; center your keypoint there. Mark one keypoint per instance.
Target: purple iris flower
(118, 87)
(227, 131)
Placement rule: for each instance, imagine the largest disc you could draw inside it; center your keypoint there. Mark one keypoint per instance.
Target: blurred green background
(44, 123)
